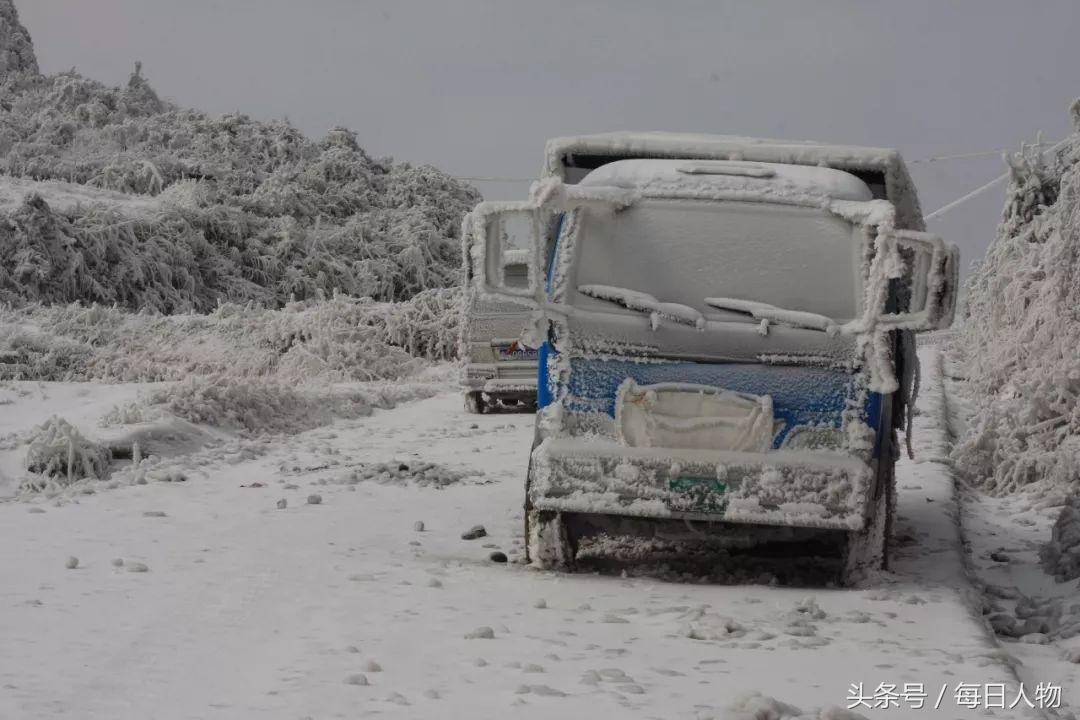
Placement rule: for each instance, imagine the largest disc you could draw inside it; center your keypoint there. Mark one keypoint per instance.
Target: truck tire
(548, 544)
(474, 402)
(867, 551)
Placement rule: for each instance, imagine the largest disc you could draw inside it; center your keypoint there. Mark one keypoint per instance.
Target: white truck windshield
(684, 251)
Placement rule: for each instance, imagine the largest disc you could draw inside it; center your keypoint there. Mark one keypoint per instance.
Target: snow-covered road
(344, 609)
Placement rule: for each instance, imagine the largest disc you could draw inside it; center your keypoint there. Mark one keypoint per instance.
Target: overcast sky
(476, 86)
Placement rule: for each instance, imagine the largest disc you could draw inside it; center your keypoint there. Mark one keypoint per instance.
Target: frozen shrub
(249, 210)
(339, 339)
(222, 217)
(1021, 330)
(253, 407)
(246, 406)
(427, 326)
(59, 455)
(31, 354)
(250, 407)
(189, 258)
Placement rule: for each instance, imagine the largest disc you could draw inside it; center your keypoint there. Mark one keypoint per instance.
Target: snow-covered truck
(499, 370)
(725, 332)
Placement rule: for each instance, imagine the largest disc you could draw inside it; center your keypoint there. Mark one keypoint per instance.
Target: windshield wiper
(765, 311)
(646, 303)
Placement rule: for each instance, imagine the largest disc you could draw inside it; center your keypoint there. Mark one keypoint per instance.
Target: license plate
(701, 494)
(517, 353)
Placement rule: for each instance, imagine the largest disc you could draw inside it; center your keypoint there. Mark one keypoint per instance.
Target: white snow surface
(212, 598)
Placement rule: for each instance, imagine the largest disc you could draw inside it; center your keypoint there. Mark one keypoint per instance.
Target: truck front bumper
(781, 488)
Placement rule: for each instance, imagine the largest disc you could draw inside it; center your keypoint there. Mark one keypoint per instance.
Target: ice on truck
(724, 334)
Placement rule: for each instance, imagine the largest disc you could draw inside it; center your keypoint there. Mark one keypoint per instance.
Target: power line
(960, 200)
(931, 159)
(475, 178)
(969, 155)
(961, 156)
(983, 188)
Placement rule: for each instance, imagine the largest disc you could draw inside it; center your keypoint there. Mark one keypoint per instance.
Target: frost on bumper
(803, 489)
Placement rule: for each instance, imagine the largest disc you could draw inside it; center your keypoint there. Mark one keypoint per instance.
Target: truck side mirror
(923, 289)
(506, 249)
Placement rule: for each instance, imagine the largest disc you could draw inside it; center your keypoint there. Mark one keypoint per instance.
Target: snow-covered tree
(16, 49)
(248, 211)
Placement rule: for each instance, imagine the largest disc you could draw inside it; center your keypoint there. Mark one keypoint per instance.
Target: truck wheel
(548, 544)
(474, 403)
(890, 523)
(867, 550)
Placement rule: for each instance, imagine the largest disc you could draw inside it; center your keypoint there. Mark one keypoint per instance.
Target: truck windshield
(684, 251)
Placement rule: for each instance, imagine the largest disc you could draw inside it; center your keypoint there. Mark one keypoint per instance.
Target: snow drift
(1021, 331)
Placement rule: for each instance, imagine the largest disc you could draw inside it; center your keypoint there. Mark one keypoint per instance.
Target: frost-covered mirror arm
(646, 303)
(477, 243)
(478, 224)
(932, 282)
(765, 311)
(885, 266)
(874, 329)
(871, 338)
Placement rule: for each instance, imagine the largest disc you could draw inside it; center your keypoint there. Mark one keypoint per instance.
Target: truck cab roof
(729, 177)
(882, 169)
